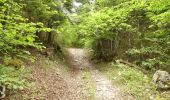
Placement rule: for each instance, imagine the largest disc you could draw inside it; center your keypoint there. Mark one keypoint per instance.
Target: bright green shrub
(130, 29)
(12, 78)
(17, 35)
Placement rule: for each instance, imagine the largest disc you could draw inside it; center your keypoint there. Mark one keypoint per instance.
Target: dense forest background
(135, 31)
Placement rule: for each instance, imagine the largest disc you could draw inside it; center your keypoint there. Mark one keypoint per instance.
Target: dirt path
(76, 79)
(104, 89)
(47, 82)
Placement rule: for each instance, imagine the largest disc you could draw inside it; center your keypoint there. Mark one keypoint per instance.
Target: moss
(17, 63)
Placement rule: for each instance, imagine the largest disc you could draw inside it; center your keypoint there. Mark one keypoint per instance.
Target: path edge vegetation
(137, 31)
(26, 28)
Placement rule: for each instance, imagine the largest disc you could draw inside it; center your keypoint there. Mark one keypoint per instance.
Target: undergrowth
(132, 81)
(13, 78)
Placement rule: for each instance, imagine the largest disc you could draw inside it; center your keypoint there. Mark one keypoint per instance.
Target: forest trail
(104, 90)
(75, 79)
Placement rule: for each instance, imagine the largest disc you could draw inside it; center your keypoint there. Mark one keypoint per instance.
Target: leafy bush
(17, 35)
(13, 78)
(130, 29)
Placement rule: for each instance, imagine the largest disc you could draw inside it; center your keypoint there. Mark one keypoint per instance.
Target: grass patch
(86, 75)
(14, 79)
(89, 85)
(132, 81)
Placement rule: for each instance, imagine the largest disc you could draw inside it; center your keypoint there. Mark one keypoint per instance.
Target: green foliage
(45, 11)
(132, 29)
(20, 20)
(130, 80)
(109, 3)
(12, 78)
(16, 33)
(70, 35)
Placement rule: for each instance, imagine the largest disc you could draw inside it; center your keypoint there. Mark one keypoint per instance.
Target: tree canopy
(129, 29)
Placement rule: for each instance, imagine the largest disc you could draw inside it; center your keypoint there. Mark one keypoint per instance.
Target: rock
(2, 92)
(161, 79)
(152, 97)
